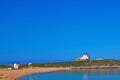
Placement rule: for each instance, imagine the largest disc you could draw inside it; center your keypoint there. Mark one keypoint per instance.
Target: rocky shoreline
(96, 67)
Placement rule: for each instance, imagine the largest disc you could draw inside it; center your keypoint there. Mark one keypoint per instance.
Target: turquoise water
(74, 75)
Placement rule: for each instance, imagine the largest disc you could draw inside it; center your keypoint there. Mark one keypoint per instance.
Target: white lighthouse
(84, 57)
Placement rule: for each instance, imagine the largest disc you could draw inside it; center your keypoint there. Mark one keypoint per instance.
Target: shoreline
(15, 74)
(96, 67)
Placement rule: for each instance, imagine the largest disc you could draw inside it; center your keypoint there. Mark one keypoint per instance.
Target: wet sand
(14, 74)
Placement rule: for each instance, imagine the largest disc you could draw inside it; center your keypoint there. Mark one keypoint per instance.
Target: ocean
(75, 75)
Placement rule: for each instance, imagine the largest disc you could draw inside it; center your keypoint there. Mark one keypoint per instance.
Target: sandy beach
(14, 74)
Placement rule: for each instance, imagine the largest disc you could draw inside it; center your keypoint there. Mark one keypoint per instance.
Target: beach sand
(14, 74)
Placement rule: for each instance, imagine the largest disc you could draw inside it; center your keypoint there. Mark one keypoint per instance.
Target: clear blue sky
(58, 30)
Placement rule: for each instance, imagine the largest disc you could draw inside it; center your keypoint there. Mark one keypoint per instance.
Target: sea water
(74, 75)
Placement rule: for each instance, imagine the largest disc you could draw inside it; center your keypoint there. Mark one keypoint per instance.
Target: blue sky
(58, 30)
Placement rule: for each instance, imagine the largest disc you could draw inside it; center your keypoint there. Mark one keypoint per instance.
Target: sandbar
(14, 74)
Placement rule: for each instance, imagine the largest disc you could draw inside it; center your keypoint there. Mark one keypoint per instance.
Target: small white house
(84, 57)
(16, 66)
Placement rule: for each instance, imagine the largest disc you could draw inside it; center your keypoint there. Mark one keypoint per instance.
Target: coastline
(15, 74)
(96, 67)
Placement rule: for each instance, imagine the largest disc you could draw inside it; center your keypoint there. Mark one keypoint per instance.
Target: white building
(84, 57)
(100, 59)
(29, 64)
(16, 66)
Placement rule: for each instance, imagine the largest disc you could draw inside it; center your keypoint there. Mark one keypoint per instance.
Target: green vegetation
(72, 64)
(4, 66)
(23, 66)
(76, 64)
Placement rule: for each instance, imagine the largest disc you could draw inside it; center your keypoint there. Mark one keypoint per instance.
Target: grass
(72, 64)
(76, 64)
(4, 66)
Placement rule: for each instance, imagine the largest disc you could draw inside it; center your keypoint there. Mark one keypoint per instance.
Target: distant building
(16, 66)
(100, 59)
(29, 64)
(84, 57)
